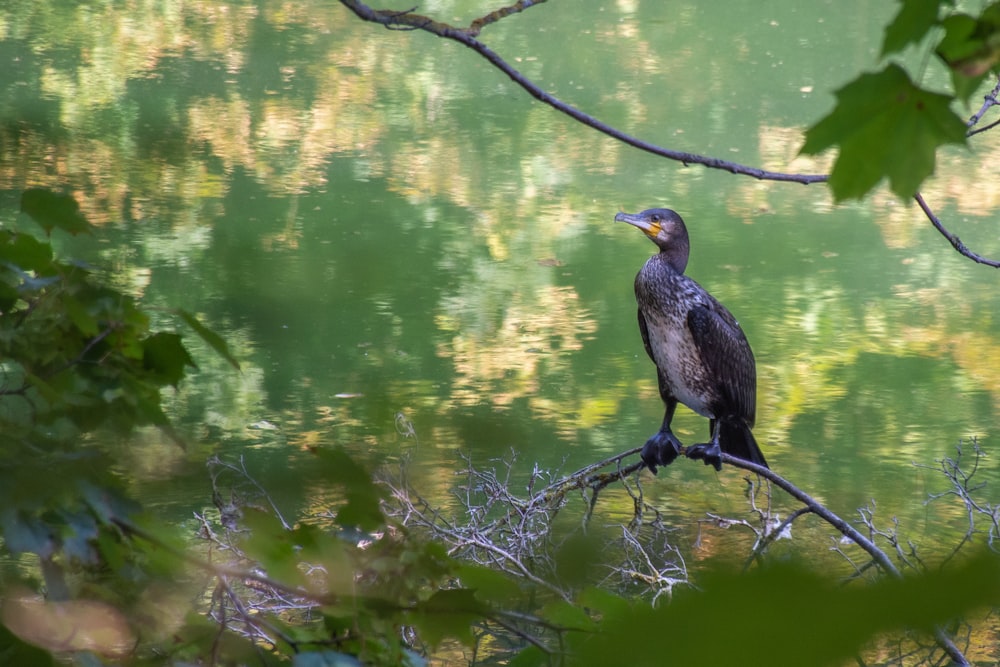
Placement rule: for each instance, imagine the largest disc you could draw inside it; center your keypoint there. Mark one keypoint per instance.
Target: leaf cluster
(80, 365)
(77, 354)
(888, 126)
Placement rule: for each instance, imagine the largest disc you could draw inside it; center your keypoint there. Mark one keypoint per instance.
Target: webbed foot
(709, 452)
(660, 450)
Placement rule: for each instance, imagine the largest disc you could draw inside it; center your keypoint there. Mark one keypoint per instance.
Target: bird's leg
(663, 447)
(710, 452)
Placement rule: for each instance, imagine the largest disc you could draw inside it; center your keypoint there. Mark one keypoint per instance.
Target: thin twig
(773, 534)
(242, 470)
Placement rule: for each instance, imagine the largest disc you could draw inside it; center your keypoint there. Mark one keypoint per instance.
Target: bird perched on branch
(702, 358)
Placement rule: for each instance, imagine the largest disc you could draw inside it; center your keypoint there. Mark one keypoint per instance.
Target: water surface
(409, 254)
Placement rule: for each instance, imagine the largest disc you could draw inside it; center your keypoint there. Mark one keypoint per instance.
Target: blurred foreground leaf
(215, 341)
(914, 20)
(448, 613)
(164, 355)
(971, 46)
(785, 615)
(363, 508)
(51, 209)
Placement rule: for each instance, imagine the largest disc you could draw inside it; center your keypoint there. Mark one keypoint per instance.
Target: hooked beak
(637, 220)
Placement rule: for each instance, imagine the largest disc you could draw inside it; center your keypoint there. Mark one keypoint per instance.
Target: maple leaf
(878, 118)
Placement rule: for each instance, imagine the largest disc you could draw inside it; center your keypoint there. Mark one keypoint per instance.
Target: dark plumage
(702, 357)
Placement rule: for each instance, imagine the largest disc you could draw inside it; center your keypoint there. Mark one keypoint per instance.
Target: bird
(702, 356)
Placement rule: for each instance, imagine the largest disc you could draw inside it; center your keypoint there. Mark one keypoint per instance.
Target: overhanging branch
(409, 20)
(467, 36)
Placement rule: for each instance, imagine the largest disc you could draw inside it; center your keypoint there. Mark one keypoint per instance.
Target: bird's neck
(675, 257)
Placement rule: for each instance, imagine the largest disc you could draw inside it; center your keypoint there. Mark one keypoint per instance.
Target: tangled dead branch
(513, 532)
(517, 533)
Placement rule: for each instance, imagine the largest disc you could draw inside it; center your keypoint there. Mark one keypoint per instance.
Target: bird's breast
(665, 301)
(678, 359)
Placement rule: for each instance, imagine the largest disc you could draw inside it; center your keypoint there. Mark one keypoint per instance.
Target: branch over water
(409, 20)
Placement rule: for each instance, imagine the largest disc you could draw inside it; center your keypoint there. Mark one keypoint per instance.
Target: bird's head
(664, 228)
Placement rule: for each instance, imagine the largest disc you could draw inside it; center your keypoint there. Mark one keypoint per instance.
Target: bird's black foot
(660, 450)
(709, 452)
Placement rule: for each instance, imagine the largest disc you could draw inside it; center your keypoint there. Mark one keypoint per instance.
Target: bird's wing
(644, 330)
(727, 356)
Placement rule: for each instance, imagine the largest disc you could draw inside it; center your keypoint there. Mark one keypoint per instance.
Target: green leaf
(107, 504)
(971, 46)
(78, 533)
(27, 534)
(599, 601)
(885, 126)
(81, 317)
(490, 586)
(362, 510)
(569, 616)
(165, 356)
(14, 651)
(166, 560)
(268, 542)
(363, 507)
(51, 209)
(958, 41)
(453, 600)
(965, 86)
(831, 622)
(25, 252)
(578, 559)
(911, 24)
(532, 656)
(448, 613)
(201, 635)
(214, 340)
(47, 391)
(8, 294)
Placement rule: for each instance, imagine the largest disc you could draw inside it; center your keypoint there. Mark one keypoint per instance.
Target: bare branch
(775, 533)
(818, 509)
(409, 20)
(989, 100)
(962, 488)
(952, 238)
(215, 462)
(493, 17)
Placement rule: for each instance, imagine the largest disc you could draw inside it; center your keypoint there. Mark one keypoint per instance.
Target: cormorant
(702, 357)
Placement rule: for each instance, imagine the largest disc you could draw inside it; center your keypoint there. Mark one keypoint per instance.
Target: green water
(409, 254)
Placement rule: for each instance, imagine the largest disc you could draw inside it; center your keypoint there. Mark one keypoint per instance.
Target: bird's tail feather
(737, 440)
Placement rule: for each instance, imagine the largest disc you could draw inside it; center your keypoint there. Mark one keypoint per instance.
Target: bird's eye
(656, 217)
